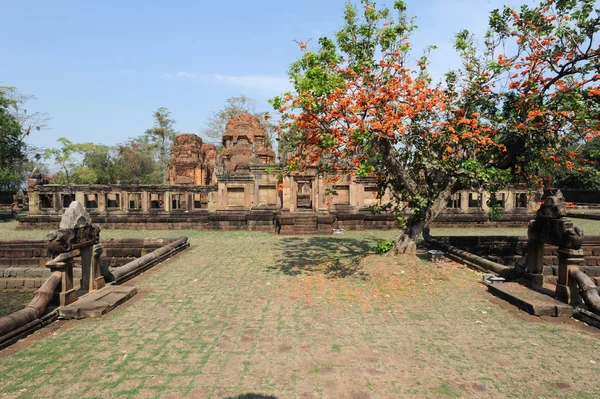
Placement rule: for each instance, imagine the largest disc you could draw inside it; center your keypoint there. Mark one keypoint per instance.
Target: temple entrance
(304, 194)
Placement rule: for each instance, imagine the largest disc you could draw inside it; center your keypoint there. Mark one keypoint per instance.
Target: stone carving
(549, 227)
(76, 231)
(75, 216)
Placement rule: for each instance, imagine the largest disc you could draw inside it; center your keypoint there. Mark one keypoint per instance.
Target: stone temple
(235, 190)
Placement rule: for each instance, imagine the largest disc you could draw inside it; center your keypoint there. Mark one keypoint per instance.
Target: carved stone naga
(76, 231)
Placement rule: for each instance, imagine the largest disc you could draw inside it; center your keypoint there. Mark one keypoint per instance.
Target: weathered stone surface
(529, 300)
(75, 216)
(98, 303)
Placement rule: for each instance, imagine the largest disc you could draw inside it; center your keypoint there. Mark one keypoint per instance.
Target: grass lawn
(305, 317)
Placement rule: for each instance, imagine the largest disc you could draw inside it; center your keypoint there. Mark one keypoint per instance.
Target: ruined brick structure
(245, 141)
(192, 162)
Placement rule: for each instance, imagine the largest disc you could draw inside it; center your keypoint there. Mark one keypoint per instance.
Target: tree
(215, 125)
(359, 106)
(64, 158)
(11, 150)
(135, 163)
(29, 122)
(97, 164)
(162, 135)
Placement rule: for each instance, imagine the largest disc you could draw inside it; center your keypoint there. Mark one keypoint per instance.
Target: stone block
(14, 284)
(30, 284)
(591, 261)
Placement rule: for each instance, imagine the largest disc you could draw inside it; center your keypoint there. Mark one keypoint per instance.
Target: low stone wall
(450, 218)
(270, 221)
(507, 250)
(22, 262)
(256, 220)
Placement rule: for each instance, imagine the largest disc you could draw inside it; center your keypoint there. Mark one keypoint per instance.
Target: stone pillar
(80, 197)
(509, 200)
(124, 197)
(167, 201)
(96, 277)
(101, 202)
(464, 201)
(190, 201)
(535, 262)
(353, 193)
(34, 203)
(566, 289)
(361, 195)
(484, 197)
(87, 255)
(63, 263)
(57, 202)
(145, 202)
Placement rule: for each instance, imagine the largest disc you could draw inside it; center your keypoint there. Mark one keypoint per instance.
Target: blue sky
(100, 68)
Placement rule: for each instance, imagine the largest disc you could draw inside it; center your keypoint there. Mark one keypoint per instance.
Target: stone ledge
(97, 303)
(533, 302)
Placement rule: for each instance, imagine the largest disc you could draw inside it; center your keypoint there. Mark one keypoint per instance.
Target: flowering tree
(360, 106)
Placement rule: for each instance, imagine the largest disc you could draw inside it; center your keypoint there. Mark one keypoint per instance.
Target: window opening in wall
(91, 201)
(157, 201)
(497, 199)
(67, 199)
(113, 201)
(454, 201)
(474, 200)
(199, 202)
(46, 201)
(178, 201)
(135, 201)
(520, 200)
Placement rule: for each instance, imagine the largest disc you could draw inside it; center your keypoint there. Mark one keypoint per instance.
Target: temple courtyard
(256, 315)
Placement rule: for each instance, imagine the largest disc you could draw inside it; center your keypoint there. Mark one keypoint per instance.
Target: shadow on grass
(252, 396)
(334, 256)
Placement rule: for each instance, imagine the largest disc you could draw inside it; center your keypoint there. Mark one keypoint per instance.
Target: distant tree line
(141, 160)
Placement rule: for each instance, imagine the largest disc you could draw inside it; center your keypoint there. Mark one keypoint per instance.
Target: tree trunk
(406, 243)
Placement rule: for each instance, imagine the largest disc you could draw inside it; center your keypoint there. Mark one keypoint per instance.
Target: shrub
(384, 246)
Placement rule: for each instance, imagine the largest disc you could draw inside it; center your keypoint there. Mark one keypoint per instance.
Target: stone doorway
(304, 194)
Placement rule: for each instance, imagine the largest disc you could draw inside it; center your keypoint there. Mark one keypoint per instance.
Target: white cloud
(259, 82)
(187, 75)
